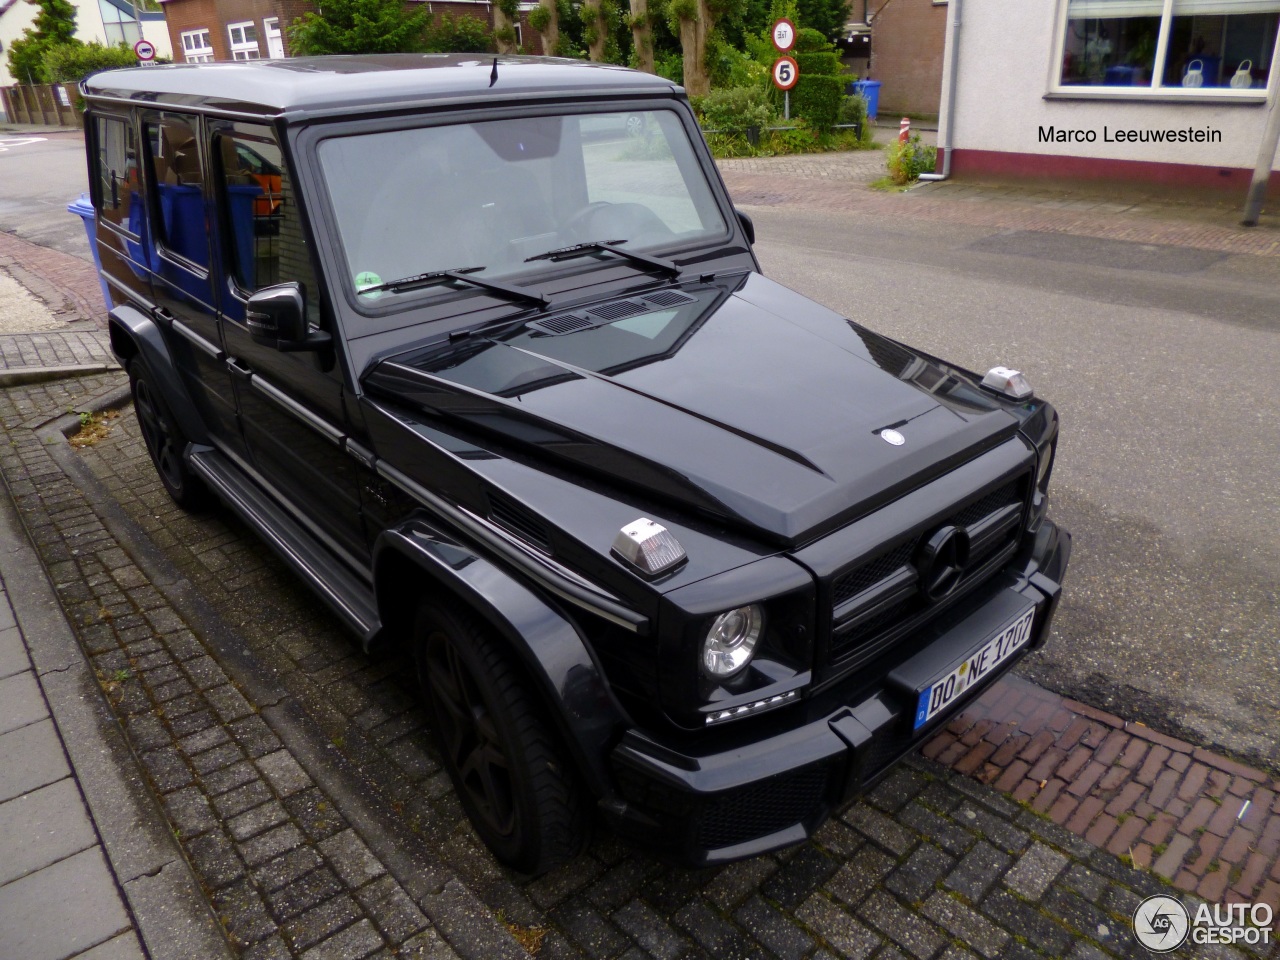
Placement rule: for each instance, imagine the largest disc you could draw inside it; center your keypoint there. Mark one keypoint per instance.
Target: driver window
(265, 243)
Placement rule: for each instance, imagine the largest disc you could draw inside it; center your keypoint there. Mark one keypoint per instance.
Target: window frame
(1057, 90)
(155, 217)
(95, 183)
(238, 47)
(206, 53)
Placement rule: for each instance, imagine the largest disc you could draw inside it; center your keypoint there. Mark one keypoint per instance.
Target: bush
(72, 62)
(818, 63)
(735, 109)
(464, 34)
(670, 67)
(906, 161)
(817, 98)
(811, 41)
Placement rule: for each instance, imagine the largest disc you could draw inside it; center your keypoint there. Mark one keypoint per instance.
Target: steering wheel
(602, 220)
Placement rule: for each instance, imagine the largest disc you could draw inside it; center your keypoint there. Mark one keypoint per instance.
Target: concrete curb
(16, 376)
(171, 914)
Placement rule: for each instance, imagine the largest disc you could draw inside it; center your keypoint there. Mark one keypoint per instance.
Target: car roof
(313, 86)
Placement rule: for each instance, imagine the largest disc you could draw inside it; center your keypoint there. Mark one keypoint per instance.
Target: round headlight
(731, 641)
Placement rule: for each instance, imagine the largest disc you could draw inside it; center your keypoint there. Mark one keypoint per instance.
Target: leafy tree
(462, 34)
(826, 16)
(72, 62)
(359, 26)
(55, 24)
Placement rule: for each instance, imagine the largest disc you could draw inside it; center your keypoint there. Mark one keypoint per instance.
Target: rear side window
(118, 198)
(173, 148)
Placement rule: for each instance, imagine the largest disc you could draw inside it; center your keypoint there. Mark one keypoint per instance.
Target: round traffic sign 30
(785, 73)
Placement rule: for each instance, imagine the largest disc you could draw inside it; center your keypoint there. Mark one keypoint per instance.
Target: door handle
(163, 315)
(238, 371)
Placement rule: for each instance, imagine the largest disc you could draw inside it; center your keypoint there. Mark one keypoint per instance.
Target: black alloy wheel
(165, 442)
(505, 762)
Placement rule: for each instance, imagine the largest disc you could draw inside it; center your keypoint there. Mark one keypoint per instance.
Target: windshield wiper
(610, 246)
(458, 275)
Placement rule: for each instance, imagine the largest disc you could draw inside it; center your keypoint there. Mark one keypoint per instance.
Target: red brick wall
(907, 41)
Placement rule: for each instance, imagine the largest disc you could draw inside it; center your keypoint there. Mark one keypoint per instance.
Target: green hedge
(817, 98)
(72, 62)
(818, 64)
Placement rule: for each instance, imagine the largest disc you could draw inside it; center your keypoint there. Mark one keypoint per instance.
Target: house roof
(351, 84)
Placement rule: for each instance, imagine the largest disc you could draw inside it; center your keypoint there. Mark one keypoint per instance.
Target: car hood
(737, 399)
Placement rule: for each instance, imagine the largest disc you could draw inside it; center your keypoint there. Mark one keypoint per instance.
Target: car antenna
(493, 74)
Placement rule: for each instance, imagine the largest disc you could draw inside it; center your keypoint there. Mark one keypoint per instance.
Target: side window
(266, 239)
(178, 174)
(118, 199)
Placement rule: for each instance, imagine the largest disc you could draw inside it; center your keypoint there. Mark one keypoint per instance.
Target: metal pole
(786, 104)
(1266, 160)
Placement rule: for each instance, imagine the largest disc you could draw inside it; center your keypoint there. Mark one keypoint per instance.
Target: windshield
(494, 194)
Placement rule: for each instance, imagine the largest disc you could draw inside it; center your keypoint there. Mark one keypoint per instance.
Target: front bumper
(786, 772)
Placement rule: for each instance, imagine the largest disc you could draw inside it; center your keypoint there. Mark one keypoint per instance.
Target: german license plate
(942, 693)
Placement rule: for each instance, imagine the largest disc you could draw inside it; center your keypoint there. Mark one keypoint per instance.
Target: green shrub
(670, 67)
(735, 109)
(464, 34)
(819, 63)
(72, 62)
(817, 98)
(906, 161)
(540, 18)
(811, 41)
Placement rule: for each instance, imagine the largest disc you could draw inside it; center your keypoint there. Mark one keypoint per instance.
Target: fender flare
(133, 332)
(548, 644)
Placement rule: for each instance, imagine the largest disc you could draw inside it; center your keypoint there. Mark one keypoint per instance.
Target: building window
(244, 41)
(119, 25)
(1221, 48)
(197, 47)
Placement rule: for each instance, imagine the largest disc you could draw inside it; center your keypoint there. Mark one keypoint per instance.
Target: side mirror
(277, 317)
(748, 227)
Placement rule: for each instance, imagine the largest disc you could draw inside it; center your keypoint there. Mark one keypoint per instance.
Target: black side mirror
(277, 317)
(748, 227)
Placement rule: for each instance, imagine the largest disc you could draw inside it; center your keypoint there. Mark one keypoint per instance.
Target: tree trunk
(502, 24)
(551, 36)
(642, 34)
(593, 20)
(693, 44)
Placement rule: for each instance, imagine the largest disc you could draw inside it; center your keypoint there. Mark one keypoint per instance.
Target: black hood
(747, 402)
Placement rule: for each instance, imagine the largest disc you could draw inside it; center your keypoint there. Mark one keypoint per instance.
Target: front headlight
(731, 641)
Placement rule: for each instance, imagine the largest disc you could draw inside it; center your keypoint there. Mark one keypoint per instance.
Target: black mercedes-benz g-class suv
(481, 348)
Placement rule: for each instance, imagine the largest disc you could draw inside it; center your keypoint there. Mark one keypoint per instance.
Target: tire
(505, 762)
(164, 441)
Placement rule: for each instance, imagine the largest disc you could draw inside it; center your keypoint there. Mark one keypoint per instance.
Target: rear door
(181, 220)
(291, 404)
(120, 230)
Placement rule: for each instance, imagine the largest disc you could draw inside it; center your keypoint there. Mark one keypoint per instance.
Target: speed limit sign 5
(785, 73)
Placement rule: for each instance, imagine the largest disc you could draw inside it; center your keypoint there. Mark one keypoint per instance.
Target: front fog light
(731, 641)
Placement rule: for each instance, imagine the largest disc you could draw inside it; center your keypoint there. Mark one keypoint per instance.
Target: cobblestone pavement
(298, 776)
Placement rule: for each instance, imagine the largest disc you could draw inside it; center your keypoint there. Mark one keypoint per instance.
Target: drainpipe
(949, 114)
(1266, 160)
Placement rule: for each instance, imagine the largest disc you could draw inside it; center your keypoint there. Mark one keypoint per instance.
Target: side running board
(350, 597)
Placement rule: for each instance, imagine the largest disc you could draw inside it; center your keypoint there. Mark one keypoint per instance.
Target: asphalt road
(1163, 362)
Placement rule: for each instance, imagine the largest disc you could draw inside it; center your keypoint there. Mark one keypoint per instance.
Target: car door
(180, 218)
(291, 405)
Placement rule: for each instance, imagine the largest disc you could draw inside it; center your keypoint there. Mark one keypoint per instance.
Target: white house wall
(1007, 62)
(21, 15)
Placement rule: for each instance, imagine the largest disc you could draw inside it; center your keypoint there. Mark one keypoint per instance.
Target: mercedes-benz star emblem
(1161, 923)
(890, 435)
(941, 561)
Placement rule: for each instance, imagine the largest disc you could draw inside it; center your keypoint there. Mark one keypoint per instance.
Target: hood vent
(618, 310)
(668, 298)
(559, 326)
(516, 520)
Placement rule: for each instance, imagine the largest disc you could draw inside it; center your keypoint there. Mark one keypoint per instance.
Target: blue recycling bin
(870, 90)
(83, 208)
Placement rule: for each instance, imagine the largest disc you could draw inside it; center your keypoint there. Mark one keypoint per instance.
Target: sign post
(145, 51)
(785, 70)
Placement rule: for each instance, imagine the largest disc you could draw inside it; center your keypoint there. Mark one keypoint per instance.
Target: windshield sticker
(366, 279)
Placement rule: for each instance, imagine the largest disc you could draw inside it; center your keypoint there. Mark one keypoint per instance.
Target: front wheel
(165, 442)
(505, 762)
